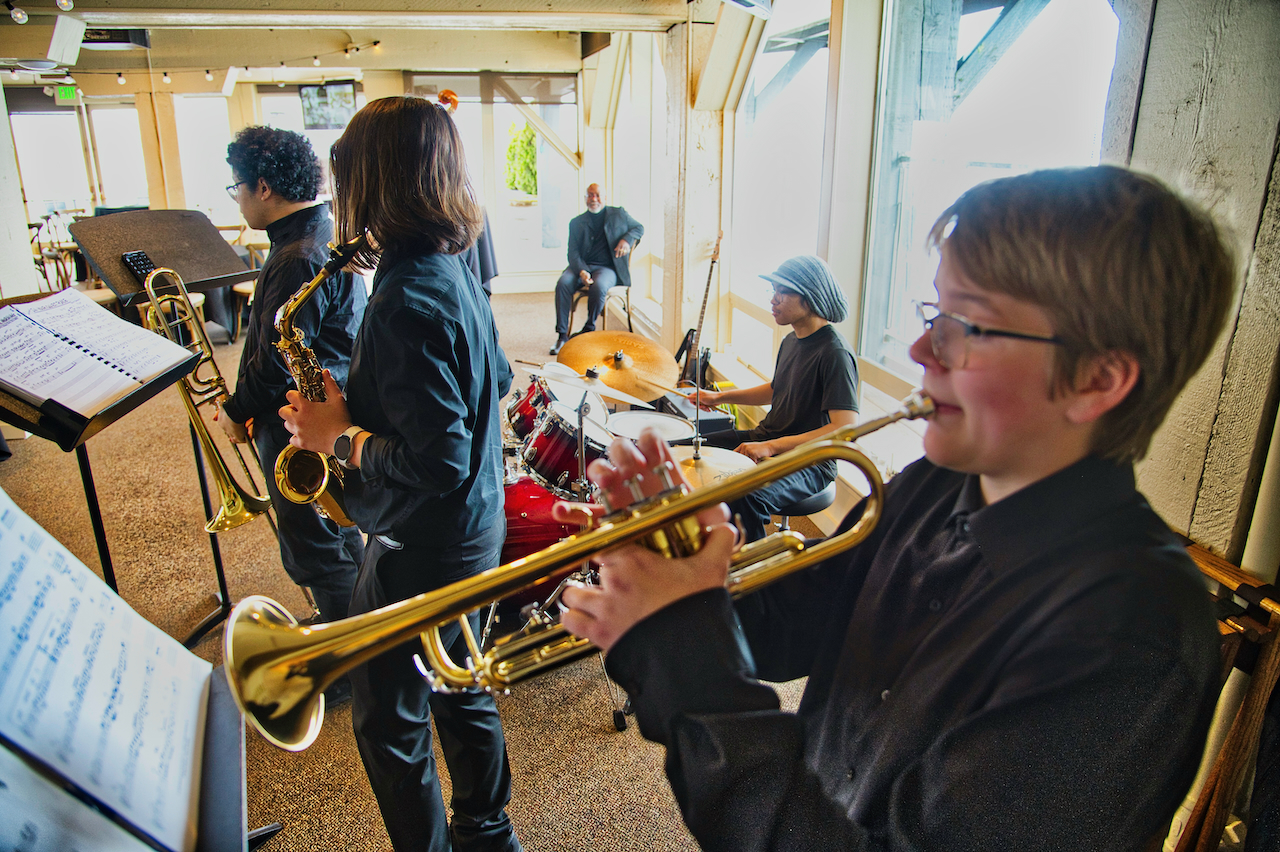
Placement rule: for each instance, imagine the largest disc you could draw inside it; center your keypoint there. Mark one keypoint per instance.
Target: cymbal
(624, 361)
(589, 383)
(713, 465)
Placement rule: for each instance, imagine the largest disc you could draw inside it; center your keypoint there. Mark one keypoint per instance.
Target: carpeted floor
(578, 783)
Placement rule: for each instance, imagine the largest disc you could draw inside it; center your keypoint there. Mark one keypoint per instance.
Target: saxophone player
(277, 177)
(419, 433)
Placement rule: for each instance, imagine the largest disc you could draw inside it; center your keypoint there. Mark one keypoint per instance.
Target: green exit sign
(64, 94)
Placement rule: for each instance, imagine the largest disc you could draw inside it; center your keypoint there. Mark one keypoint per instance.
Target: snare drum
(551, 451)
(627, 424)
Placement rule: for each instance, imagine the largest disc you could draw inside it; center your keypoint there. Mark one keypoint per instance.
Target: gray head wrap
(812, 278)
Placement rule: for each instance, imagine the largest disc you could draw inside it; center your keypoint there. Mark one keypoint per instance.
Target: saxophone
(304, 476)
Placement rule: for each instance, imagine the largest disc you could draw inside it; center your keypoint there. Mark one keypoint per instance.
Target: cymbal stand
(580, 487)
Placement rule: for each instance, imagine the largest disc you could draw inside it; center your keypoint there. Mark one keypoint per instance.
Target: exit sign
(64, 95)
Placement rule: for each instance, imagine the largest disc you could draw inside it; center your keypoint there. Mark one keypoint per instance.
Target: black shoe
(584, 330)
(560, 341)
(338, 693)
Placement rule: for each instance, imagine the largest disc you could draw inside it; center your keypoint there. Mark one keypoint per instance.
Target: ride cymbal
(624, 361)
(588, 383)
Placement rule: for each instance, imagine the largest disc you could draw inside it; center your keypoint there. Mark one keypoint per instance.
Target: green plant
(522, 160)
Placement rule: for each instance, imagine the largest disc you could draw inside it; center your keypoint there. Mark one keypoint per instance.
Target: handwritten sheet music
(93, 691)
(38, 366)
(141, 353)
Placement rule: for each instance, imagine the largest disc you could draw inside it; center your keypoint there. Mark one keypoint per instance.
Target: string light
(65, 5)
(208, 76)
(166, 78)
(315, 60)
(19, 16)
(13, 73)
(120, 78)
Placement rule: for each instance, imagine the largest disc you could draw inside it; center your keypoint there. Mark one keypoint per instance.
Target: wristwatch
(345, 445)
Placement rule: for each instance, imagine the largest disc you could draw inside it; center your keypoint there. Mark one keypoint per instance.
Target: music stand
(182, 240)
(189, 244)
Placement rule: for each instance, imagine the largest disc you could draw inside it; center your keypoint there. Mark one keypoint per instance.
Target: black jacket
(617, 225)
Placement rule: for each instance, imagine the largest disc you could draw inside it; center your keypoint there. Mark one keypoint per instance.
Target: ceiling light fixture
(315, 60)
(120, 78)
(65, 5)
(13, 73)
(19, 16)
(166, 78)
(208, 76)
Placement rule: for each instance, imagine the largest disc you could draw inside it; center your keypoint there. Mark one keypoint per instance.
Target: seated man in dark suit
(600, 243)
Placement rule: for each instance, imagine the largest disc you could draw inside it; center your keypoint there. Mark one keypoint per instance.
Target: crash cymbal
(712, 465)
(623, 361)
(573, 381)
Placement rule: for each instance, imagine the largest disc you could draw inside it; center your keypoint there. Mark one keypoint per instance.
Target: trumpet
(301, 475)
(278, 669)
(172, 315)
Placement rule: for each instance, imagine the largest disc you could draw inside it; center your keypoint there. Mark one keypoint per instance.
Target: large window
(203, 136)
(51, 158)
(968, 98)
(118, 146)
(529, 223)
(779, 128)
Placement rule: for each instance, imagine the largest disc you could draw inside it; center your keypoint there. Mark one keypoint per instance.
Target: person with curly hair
(277, 177)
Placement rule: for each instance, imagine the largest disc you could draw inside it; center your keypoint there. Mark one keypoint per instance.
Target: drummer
(814, 389)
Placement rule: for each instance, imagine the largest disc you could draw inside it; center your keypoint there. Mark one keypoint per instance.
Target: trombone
(172, 315)
(278, 669)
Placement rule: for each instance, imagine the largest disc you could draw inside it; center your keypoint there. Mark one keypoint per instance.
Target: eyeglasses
(949, 335)
(231, 190)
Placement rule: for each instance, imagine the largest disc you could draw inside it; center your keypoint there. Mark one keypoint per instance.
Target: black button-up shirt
(328, 320)
(1037, 674)
(426, 377)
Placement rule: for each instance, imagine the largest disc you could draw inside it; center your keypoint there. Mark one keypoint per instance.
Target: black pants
(604, 278)
(756, 508)
(315, 552)
(393, 704)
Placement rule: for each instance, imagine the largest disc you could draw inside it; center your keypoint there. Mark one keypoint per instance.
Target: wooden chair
(1249, 645)
(241, 298)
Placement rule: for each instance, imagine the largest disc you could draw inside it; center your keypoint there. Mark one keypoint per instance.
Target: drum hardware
(278, 671)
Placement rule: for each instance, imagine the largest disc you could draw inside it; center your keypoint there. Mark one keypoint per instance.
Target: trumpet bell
(284, 704)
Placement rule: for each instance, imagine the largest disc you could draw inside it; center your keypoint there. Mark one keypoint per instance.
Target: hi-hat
(712, 465)
(623, 361)
(589, 383)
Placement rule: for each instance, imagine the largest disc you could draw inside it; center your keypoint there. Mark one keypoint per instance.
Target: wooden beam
(1015, 18)
(573, 157)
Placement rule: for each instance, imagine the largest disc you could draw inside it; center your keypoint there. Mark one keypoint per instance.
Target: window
(779, 129)
(203, 136)
(964, 99)
(121, 165)
(52, 162)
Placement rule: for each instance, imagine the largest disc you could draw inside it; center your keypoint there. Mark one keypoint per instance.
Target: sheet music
(38, 815)
(93, 691)
(37, 366)
(142, 353)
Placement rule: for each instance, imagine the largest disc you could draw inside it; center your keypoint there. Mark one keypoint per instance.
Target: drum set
(561, 422)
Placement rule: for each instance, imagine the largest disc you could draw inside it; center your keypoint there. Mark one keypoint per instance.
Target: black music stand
(189, 244)
(70, 430)
(182, 240)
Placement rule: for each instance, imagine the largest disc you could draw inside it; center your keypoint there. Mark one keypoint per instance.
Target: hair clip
(448, 100)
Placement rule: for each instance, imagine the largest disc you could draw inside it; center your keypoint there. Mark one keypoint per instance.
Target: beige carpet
(578, 783)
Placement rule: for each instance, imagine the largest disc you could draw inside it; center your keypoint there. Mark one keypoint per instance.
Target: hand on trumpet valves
(635, 582)
(316, 425)
(238, 433)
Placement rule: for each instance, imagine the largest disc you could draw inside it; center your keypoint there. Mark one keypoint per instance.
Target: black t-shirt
(598, 252)
(814, 375)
